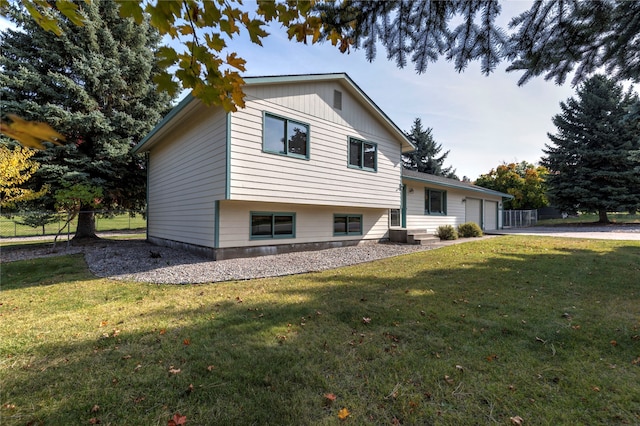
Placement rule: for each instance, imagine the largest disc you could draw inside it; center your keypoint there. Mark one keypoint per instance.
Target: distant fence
(17, 225)
(519, 218)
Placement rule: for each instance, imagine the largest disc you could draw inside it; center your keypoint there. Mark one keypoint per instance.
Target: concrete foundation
(255, 251)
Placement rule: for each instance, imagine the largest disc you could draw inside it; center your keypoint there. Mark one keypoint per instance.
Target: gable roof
(449, 183)
(190, 102)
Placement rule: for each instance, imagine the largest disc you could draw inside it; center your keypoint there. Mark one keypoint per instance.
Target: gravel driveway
(132, 260)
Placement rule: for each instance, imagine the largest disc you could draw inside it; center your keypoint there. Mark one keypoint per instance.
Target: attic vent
(337, 100)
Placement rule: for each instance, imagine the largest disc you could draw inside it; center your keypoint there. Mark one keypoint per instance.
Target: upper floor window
(435, 202)
(285, 137)
(363, 155)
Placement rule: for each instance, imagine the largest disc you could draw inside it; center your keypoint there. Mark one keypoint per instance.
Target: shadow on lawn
(44, 271)
(246, 351)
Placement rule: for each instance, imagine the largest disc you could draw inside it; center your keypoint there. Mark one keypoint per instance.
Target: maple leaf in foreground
(30, 133)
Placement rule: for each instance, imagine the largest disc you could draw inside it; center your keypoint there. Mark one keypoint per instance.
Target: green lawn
(11, 227)
(476, 333)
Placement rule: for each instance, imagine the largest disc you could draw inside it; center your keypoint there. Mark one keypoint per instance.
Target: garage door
(490, 215)
(473, 211)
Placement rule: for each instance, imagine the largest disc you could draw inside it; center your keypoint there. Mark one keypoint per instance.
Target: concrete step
(421, 239)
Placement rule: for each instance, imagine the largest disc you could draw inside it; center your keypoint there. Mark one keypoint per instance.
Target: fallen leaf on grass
(103, 323)
(492, 357)
(343, 414)
(613, 343)
(177, 420)
(636, 361)
(189, 389)
(211, 368)
(94, 421)
(516, 420)
(174, 370)
(163, 331)
(595, 388)
(95, 408)
(329, 398)
(366, 320)
(186, 342)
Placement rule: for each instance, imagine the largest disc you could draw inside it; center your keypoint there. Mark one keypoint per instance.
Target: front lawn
(495, 331)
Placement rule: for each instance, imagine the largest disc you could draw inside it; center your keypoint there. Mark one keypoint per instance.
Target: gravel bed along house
(136, 260)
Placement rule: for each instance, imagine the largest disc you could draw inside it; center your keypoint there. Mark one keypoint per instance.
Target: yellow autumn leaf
(233, 60)
(343, 414)
(30, 133)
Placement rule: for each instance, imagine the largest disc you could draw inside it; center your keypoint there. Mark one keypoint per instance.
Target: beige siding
(187, 172)
(462, 206)
(323, 179)
(416, 219)
(313, 223)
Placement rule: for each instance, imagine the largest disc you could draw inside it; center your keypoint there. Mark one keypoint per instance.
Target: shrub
(446, 232)
(469, 229)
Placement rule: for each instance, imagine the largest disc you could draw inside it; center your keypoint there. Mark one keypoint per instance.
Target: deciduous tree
(525, 181)
(591, 157)
(16, 168)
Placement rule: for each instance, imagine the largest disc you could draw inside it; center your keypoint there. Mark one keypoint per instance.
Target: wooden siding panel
(324, 178)
(313, 223)
(187, 174)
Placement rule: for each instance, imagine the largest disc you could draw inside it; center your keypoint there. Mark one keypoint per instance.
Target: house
(430, 201)
(310, 162)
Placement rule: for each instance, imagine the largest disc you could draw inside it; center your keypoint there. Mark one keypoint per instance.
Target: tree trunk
(86, 224)
(603, 216)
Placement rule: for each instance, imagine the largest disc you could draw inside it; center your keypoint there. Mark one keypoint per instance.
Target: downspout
(403, 206)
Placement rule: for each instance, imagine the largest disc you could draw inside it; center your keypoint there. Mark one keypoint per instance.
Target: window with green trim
(285, 137)
(435, 202)
(273, 225)
(347, 224)
(363, 155)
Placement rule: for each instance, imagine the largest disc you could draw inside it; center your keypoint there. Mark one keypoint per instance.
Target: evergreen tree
(93, 84)
(553, 37)
(590, 160)
(425, 158)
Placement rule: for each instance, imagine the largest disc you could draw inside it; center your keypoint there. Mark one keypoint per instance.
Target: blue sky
(482, 120)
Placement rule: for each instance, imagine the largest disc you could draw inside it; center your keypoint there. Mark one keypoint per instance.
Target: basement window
(272, 225)
(347, 224)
